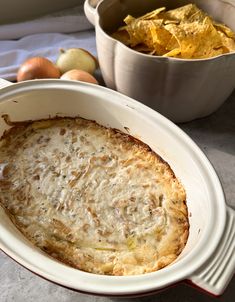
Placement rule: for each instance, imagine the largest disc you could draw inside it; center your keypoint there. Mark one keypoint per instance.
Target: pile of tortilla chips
(185, 32)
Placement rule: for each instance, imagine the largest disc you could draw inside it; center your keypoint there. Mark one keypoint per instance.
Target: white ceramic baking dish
(208, 259)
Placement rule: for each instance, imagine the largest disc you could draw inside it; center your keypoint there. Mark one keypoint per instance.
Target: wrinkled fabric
(44, 37)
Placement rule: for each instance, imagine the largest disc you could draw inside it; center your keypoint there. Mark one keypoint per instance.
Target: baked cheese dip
(92, 197)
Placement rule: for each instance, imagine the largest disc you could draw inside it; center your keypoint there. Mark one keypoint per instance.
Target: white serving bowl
(208, 259)
(180, 89)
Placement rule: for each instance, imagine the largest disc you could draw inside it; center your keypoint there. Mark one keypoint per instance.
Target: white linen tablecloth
(44, 37)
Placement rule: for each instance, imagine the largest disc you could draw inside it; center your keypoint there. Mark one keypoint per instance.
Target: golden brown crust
(92, 197)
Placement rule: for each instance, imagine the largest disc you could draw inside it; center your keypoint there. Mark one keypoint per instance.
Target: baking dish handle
(4, 83)
(90, 10)
(215, 275)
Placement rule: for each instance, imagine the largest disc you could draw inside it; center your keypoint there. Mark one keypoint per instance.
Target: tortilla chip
(160, 37)
(129, 19)
(173, 53)
(185, 32)
(152, 15)
(199, 16)
(182, 13)
(196, 40)
(224, 29)
(172, 43)
(171, 22)
(228, 43)
(139, 32)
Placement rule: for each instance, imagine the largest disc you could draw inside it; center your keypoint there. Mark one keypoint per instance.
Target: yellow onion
(79, 75)
(37, 68)
(76, 58)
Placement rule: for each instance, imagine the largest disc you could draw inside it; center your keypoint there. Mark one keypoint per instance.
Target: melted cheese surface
(92, 197)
